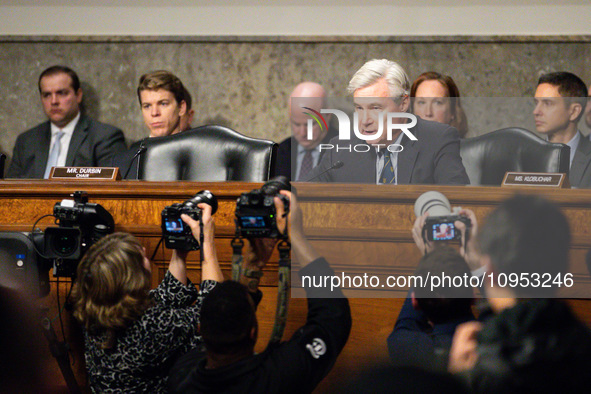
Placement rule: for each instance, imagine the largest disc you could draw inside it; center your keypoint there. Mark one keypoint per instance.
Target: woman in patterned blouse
(134, 334)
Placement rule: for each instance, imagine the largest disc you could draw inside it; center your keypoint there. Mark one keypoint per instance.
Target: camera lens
(65, 244)
(206, 197)
(275, 185)
(433, 202)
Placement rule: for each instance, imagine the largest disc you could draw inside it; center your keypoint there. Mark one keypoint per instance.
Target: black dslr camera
(81, 224)
(439, 225)
(178, 235)
(256, 213)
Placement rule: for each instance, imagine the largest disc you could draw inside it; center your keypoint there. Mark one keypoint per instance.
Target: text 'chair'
(488, 157)
(207, 153)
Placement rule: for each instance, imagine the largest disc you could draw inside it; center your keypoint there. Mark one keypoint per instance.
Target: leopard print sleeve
(173, 293)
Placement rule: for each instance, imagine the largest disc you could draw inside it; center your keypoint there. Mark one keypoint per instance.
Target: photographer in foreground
(229, 329)
(133, 334)
(533, 343)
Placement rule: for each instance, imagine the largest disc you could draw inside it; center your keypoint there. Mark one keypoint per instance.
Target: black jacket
(295, 366)
(538, 346)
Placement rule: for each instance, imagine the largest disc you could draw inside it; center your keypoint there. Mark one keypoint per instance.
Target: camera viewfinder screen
(252, 221)
(443, 231)
(174, 225)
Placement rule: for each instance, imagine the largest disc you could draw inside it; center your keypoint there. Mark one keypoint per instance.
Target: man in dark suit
(68, 138)
(380, 88)
(303, 151)
(560, 100)
(166, 109)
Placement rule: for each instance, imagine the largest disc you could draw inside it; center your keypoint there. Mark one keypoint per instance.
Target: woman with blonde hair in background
(134, 334)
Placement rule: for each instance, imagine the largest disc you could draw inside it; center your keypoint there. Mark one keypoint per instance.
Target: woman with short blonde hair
(134, 334)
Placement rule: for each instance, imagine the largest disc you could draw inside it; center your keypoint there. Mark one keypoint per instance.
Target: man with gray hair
(391, 146)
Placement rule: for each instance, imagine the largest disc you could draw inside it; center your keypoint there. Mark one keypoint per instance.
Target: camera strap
(237, 245)
(283, 282)
(284, 272)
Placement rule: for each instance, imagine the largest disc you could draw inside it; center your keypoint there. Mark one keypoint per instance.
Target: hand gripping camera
(255, 210)
(177, 234)
(439, 225)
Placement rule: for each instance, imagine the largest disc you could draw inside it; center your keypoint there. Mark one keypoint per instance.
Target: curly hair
(112, 287)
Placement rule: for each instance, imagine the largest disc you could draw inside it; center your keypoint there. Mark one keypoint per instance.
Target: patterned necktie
(387, 176)
(54, 154)
(307, 165)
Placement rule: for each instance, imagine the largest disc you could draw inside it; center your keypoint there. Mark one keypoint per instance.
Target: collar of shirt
(574, 144)
(393, 158)
(68, 130)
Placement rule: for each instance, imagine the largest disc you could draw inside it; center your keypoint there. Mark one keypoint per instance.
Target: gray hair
(373, 70)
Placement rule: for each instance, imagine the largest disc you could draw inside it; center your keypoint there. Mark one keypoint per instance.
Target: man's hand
(463, 354)
(289, 221)
(293, 224)
(210, 269)
(469, 250)
(424, 245)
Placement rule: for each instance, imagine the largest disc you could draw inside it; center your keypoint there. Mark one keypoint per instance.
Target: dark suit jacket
(92, 145)
(433, 159)
(580, 169)
(288, 149)
(415, 342)
(125, 162)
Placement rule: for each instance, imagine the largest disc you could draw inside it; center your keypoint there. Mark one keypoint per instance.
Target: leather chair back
(488, 157)
(208, 153)
(2, 162)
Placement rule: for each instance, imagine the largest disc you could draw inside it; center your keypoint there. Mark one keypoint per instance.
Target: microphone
(141, 150)
(334, 166)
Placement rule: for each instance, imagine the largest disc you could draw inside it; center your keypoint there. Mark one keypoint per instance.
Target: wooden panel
(360, 228)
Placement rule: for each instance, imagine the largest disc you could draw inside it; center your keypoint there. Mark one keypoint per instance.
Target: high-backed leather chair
(2, 161)
(488, 157)
(207, 153)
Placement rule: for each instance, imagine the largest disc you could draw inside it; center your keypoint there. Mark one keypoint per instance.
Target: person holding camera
(229, 328)
(426, 324)
(132, 333)
(533, 342)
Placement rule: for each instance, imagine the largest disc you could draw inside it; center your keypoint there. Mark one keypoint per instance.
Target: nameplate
(94, 173)
(540, 179)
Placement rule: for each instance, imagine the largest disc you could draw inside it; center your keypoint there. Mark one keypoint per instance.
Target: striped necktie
(307, 165)
(387, 176)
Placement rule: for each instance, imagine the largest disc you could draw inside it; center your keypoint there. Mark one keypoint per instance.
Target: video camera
(255, 210)
(440, 224)
(178, 235)
(81, 224)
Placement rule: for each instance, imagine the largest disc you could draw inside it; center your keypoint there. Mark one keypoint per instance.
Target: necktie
(307, 165)
(54, 153)
(387, 176)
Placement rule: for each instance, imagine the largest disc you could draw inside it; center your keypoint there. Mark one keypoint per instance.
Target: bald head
(311, 95)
